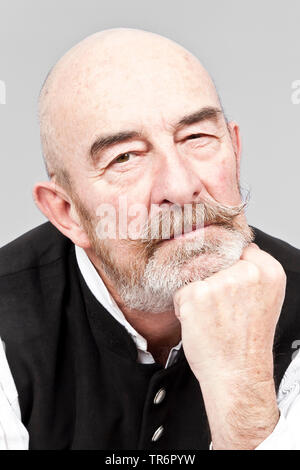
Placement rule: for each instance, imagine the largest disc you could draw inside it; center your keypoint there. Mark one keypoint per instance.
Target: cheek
(124, 207)
(222, 182)
(137, 191)
(118, 198)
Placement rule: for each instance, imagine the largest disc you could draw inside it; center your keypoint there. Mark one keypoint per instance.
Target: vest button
(159, 396)
(157, 433)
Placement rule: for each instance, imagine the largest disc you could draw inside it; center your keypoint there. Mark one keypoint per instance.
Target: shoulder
(286, 254)
(36, 271)
(40, 246)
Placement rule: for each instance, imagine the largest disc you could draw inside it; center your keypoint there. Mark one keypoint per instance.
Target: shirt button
(159, 396)
(157, 433)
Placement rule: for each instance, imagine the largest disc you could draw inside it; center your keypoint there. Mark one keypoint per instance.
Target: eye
(196, 136)
(124, 157)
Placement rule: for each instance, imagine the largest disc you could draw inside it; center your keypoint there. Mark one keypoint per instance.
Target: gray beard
(153, 290)
(149, 280)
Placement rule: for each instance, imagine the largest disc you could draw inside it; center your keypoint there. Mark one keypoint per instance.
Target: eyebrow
(103, 142)
(208, 113)
(108, 141)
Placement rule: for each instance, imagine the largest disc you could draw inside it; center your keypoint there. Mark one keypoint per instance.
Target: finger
(254, 245)
(263, 260)
(251, 248)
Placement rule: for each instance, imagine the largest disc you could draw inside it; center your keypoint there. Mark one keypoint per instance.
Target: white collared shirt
(99, 290)
(14, 436)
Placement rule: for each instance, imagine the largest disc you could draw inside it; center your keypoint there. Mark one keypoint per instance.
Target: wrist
(243, 416)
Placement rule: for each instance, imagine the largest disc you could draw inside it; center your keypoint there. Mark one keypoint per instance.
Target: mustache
(173, 220)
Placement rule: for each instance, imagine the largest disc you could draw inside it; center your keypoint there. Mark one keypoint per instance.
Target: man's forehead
(121, 88)
(114, 105)
(111, 73)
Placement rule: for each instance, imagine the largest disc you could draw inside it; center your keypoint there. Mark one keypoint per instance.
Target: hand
(228, 324)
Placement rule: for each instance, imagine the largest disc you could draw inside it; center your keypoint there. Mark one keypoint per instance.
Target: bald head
(98, 84)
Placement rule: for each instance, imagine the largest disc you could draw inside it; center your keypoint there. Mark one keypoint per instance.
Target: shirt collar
(100, 291)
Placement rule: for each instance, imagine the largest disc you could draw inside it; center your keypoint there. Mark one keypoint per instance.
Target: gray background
(251, 48)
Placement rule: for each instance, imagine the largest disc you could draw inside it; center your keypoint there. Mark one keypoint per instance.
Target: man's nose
(175, 181)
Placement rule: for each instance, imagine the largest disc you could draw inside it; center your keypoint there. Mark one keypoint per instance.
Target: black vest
(75, 367)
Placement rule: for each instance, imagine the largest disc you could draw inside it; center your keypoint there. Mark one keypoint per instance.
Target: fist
(228, 320)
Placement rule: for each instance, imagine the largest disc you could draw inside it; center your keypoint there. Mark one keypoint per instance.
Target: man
(135, 341)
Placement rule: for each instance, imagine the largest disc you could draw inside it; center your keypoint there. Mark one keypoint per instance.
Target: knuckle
(188, 292)
(186, 309)
(197, 291)
(177, 297)
(281, 275)
(277, 273)
(253, 273)
(229, 282)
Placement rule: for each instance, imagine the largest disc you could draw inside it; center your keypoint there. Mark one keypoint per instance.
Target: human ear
(234, 132)
(54, 202)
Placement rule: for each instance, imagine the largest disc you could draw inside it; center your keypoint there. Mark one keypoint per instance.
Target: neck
(161, 330)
